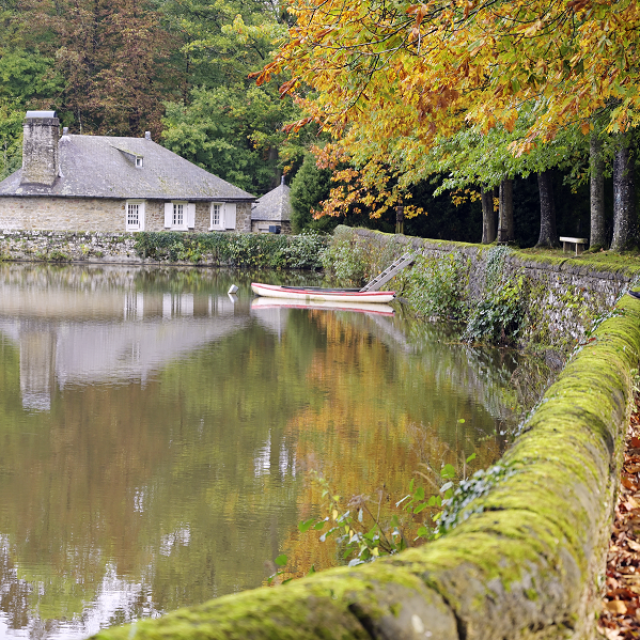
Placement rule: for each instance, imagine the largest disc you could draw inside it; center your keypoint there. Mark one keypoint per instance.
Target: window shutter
(191, 215)
(230, 215)
(168, 214)
(142, 212)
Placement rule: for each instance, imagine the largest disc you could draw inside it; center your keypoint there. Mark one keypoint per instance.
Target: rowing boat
(318, 293)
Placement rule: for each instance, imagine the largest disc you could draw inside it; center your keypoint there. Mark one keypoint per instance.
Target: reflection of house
(272, 212)
(77, 345)
(274, 320)
(37, 368)
(99, 183)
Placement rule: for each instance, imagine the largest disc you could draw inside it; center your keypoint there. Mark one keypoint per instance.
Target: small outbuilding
(107, 184)
(272, 212)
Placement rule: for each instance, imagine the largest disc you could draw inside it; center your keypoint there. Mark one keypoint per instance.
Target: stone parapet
(565, 294)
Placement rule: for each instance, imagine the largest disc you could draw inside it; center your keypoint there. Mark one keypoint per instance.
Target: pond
(156, 434)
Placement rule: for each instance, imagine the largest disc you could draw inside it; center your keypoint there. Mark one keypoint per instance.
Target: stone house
(112, 184)
(272, 212)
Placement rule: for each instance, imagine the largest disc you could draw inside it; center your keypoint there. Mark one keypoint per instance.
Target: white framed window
(179, 216)
(217, 215)
(134, 215)
(223, 216)
(139, 162)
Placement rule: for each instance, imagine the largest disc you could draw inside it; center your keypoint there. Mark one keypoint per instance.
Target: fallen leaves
(620, 617)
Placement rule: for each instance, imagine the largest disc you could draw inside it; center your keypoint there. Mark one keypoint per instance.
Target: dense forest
(472, 120)
(177, 68)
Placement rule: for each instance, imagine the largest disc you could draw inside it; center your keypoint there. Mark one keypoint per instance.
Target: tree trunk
(488, 217)
(624, 214)
(506, 229)
(548, 235)
(400, 219)
(598, 237)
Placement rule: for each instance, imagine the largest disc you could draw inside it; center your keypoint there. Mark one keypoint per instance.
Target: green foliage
(239, 249)
(57, 256)
(233, 132)
(27, 80)
(437, 286)
(309, 187)
(363, 534)
(497, 318)
(222, 42)
(495, 264)
(345, 259)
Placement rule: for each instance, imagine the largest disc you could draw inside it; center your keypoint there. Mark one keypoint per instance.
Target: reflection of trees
(15, 594)
(181, 487)
(385, 413)
(399, 409)
(151, 279)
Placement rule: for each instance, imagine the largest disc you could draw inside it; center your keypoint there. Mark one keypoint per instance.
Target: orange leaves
(620, 617)
(387, 81)
(419, 11)
(288, 86)
(296, 126)
(578, 5)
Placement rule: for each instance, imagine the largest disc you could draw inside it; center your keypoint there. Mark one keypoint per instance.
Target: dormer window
(139, 162)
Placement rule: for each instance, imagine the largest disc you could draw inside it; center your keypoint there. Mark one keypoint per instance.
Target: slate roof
(273, 206)
(105, 167)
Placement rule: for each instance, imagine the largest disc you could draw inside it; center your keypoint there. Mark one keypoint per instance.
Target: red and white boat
(325, 295)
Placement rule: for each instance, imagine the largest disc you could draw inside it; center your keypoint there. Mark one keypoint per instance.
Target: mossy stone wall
(525, 562)
(564, 295)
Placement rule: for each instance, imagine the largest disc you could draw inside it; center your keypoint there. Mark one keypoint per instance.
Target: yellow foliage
(387, 78)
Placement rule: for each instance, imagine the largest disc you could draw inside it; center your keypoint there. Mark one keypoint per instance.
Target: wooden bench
(580, 244)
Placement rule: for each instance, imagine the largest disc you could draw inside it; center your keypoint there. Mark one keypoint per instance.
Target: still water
(156, 434)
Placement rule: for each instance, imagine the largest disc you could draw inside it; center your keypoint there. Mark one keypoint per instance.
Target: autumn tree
(111, 56)
(387, 80)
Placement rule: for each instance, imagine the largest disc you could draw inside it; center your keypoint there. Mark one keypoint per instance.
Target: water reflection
(156, 432)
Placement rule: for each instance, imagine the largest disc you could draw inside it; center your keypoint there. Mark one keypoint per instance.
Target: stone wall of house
(243, 217)
(78, 215)
(61, 214)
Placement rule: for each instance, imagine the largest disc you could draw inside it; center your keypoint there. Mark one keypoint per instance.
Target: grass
(602, 258)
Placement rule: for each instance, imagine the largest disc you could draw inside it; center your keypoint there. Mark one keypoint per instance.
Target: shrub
(438, 286)
(498, 316)
(345, 259)
(238, 249)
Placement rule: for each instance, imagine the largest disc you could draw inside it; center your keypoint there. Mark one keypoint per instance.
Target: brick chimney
(40, 158)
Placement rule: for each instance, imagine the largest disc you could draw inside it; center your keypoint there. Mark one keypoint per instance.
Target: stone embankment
(62, 246)
(526, 558)
(563, 296)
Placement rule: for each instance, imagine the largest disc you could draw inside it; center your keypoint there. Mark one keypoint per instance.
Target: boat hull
(258, 304)
(290, 293)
